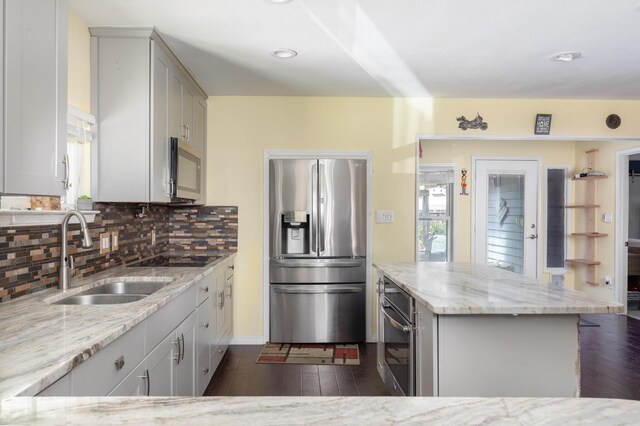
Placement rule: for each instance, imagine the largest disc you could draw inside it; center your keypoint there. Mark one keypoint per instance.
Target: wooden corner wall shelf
(590, 227)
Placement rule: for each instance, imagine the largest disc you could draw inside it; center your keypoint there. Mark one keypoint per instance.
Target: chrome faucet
(66, 262)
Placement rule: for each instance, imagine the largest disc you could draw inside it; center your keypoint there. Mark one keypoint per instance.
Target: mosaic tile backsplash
(30, 255)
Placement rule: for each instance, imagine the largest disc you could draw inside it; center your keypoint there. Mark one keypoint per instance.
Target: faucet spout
(66, 265)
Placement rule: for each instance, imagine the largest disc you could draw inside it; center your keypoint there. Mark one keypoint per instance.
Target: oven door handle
(323, 291)
(395, 324)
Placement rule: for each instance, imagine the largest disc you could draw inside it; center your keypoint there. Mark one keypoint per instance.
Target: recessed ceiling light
(566, 56)
(284, 53)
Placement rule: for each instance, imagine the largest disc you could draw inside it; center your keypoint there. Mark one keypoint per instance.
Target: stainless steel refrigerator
(317, 240)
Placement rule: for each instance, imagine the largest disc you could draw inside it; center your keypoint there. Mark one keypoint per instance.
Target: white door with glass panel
(505, 212)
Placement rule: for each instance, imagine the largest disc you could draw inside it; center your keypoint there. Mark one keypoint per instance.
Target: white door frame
(621, 260)
(538, 161)
(308, 154)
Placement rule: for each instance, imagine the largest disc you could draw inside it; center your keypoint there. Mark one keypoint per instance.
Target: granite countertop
(318, 410)
(467, 288)
(41, 342)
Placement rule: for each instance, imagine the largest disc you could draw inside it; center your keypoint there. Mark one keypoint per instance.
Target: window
(80, 135)
(556, 218)
(435, 207)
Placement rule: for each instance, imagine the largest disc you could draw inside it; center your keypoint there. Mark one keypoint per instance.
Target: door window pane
(505, 222)
(556, 218)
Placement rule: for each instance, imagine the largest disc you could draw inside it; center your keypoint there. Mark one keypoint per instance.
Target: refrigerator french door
(317, 233)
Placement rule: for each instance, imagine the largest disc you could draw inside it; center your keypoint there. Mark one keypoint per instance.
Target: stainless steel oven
(397, 313)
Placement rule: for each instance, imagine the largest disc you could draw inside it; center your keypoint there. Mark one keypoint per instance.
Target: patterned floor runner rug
(309, 353)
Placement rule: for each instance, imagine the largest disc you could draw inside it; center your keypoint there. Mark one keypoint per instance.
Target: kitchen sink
(114, 293)
(100, 299)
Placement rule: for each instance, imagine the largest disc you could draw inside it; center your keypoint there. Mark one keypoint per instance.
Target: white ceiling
(439, 48)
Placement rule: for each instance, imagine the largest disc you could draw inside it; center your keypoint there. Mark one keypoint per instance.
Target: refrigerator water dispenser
(295, 239)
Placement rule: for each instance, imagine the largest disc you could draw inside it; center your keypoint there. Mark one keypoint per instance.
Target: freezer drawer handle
(330, 291)
(395, 324)
(342, 264)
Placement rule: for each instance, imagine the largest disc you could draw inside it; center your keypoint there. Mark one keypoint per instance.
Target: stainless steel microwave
(185, 182)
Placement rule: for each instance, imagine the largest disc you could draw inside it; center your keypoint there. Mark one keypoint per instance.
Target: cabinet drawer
(160, 324)
(102, 372)
(206, 287)
(203, 371)
(217, 353)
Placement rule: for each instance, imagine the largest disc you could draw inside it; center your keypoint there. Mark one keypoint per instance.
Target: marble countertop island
(318, 411)
(468, 288)
(41, 342)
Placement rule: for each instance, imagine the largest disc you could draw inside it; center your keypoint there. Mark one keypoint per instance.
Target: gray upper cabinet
(139, 91)
(34, 93)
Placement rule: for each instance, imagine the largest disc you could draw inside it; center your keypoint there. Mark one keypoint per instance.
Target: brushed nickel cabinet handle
(147, 379)
(182, 339)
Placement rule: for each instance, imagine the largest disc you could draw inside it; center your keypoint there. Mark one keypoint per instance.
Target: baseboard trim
(247, 340)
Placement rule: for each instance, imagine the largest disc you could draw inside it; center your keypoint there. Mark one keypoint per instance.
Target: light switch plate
(114, 240)
(105, 243)
(607, 217)
(384, 216)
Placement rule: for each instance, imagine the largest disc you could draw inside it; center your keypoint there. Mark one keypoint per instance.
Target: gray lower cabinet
(141, 97)
(174, 352)
(185, 337)
(33, 113)
(426, 356)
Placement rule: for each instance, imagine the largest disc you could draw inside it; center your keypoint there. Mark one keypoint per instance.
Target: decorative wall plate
(613, 121)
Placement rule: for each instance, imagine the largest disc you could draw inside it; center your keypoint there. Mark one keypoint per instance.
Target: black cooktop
(177, 261)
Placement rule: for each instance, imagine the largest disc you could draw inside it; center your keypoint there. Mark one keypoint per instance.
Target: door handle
(532, 236)
(182, 340)
(65, 182)
(328, 291)
(395, 324)
(286, 263)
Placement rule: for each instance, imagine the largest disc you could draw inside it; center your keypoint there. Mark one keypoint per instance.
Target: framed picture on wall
(543, 124)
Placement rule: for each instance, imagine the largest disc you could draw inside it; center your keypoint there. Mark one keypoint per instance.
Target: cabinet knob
(220, 351)
(205, 324)
(205, 289)
(205, 371)
(119, 363)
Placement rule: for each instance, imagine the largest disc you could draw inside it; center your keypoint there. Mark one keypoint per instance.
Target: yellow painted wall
(460, 153)
(79, 64)
(580, 118)
(240, 129)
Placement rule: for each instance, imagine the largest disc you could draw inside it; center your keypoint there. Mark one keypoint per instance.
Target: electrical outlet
(105, 243)
(153, 237)
(114, 240)
(384, 216)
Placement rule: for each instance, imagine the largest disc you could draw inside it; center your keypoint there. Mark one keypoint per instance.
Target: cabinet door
(175, 120)
(199, 140)
(185, 366)
(203, 370)
(35, 84)
(160, 110)
(160, 367)
(426, 351)
(188, 101)
(221, 318)
(134, 384)
(228, 304)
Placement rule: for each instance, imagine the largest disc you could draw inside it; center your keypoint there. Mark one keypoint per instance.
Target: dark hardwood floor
(239, 375)
(610, 358)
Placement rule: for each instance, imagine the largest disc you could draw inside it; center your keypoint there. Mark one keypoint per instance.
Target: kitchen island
(317, 410)
(481, 331)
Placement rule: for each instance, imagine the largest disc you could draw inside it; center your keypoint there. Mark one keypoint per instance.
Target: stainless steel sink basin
(114, 293)
(100, 299)
(127, 287)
